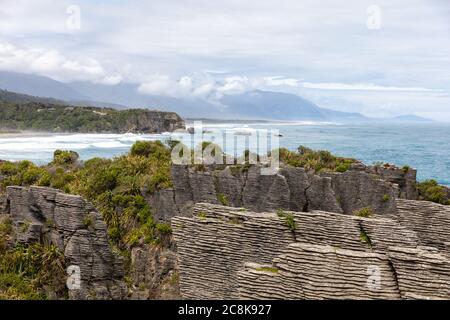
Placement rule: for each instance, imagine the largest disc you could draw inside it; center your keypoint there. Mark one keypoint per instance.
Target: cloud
(53, 64)
(208, 87)
(362, 87)
(323, 51)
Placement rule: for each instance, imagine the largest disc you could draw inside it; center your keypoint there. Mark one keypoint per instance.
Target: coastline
(18, 134)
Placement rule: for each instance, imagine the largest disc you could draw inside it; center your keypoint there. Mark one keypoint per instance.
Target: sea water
(421, 146)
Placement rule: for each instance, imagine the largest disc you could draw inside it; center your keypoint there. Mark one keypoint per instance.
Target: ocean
(421, 146)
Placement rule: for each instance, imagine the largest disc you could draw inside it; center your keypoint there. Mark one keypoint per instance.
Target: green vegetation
(406, 169)
(5, 233)
(26, 270)
(174, 278)
(202, 215)
(319, 161)
(288, 218)
(223, 199)
(430, 190)
(164, 228)
(364, 212)
(267, 269)
(65, 158)
(87, 221)
(114, 186)
(386, 198)
(59, 118)
(364, 237)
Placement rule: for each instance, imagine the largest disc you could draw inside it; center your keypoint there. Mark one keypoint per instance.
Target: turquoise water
(421, 146)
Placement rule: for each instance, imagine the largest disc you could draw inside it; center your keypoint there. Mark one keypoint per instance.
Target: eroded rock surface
(77, 229)
(232, 253)
(290, 189)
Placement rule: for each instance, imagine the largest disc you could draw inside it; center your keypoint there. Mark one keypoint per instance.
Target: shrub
(164, 228)
(430, 190)
(146, 148)
(65, 158)
(288, 218)
(386, 198)
(364, 212)
(320, 160)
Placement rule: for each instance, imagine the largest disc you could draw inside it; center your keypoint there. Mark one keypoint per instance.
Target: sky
(380, 58)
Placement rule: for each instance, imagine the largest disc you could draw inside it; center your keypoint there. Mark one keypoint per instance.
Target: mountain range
(257, 104)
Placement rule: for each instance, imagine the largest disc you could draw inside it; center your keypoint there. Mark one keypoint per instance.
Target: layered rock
(290, 189)
(154, 272)
(231, 253)
(405, 178)
(422, 273)
(77, 229)
(431, 221)
(307, 271)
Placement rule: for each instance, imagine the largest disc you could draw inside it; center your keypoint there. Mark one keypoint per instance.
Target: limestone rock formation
(405, 178)
(154, 273)
(307, 271)
(290, 189)
(431, 221)
(77, 229)
(232, 253)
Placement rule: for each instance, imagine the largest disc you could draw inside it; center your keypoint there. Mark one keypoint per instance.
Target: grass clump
(386, 198)
(366, 212)
(267, 269)
(223, 199)
(288, 218)
(87, 221)
(164, 228)
(430, 190)
(364, 237)
(202, 215)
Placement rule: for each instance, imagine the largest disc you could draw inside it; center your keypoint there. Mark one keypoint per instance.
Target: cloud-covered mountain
(39, 86)
(256, 104)
(280, 106)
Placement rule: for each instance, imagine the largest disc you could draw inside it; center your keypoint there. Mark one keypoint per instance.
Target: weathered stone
(231, 253)
(154, 273)
(421, 272)
(431, 221)
(289, 189)
(405, 178)
(307, 271)
(77, 229)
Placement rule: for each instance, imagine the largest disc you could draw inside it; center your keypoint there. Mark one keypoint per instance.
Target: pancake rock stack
(233, 253)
